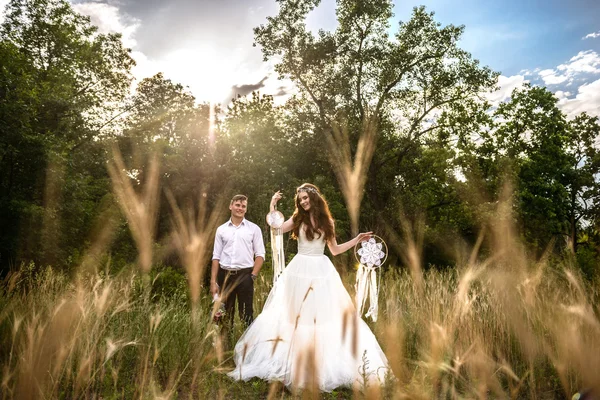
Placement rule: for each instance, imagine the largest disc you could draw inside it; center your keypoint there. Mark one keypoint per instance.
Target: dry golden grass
(351, 170)
(500, 328)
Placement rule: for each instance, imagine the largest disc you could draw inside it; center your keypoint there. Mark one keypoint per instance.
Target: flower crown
(307, 189)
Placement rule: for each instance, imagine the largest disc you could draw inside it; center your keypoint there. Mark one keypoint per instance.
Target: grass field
(502, 327)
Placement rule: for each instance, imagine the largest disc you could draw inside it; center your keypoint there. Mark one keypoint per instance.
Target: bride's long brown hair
(318, 209)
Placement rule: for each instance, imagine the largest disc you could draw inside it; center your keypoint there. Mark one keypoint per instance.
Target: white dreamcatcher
(370, 254)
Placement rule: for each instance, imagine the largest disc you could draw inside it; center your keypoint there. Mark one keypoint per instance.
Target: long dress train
(309, 332)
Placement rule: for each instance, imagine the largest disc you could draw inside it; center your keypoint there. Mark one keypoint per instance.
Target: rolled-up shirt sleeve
(258, 243)
(218, 247)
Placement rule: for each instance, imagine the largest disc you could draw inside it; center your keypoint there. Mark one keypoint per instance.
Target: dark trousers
(237, 285)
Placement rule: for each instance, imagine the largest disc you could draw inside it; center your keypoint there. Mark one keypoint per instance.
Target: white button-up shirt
(236, 246)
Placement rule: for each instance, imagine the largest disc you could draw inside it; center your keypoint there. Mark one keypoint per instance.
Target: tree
(358, 77)
(61, 82)
(583, 133)
(80, 74)
(20, 148)
(259, 150)
(552, 162)
(161, 111)
(534, 139)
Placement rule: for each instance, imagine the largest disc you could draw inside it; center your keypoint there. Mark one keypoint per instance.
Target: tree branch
(390, 86)
(359, 77)
(427, 111)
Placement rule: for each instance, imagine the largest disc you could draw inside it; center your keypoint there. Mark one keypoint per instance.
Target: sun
(208, 73)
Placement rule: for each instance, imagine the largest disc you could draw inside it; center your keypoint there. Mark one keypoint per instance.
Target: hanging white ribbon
(275, 219)
(366, 286)
(277, 249)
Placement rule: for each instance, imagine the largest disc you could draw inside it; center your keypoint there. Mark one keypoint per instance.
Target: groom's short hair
(238, 197)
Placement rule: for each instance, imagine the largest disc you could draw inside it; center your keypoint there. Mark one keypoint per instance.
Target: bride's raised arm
(336, 248)
(287, 225)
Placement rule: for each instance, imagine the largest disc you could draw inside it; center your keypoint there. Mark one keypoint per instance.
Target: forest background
(440, 156)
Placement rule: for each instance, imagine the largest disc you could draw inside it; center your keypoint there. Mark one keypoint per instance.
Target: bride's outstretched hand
(363, 236)
(276, 197)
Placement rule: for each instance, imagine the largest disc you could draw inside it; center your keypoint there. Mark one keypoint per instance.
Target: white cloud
(550, 77)
(207, 69)
(584, 98)
(528, 72)
(561, 94)
(587, 99)
(191, 64)
(592, 35)
(109, 19)
(506, 86)
(585, 62)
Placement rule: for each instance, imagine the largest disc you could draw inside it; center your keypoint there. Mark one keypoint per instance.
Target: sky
(207, 45)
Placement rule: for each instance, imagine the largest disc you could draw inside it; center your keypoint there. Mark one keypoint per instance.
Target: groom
(238, 255)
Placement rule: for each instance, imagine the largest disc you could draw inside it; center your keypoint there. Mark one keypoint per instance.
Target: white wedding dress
(309, 331)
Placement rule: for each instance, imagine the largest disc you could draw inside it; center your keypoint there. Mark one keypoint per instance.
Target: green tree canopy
(61, 81)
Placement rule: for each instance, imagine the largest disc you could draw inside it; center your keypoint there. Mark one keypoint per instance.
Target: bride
(309, 333)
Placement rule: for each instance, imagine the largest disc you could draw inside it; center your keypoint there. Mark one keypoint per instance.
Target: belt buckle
(234, 272)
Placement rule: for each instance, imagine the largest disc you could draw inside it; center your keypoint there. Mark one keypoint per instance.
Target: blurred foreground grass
(491, 330)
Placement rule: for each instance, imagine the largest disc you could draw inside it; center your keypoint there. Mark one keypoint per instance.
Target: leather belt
(237, 271)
